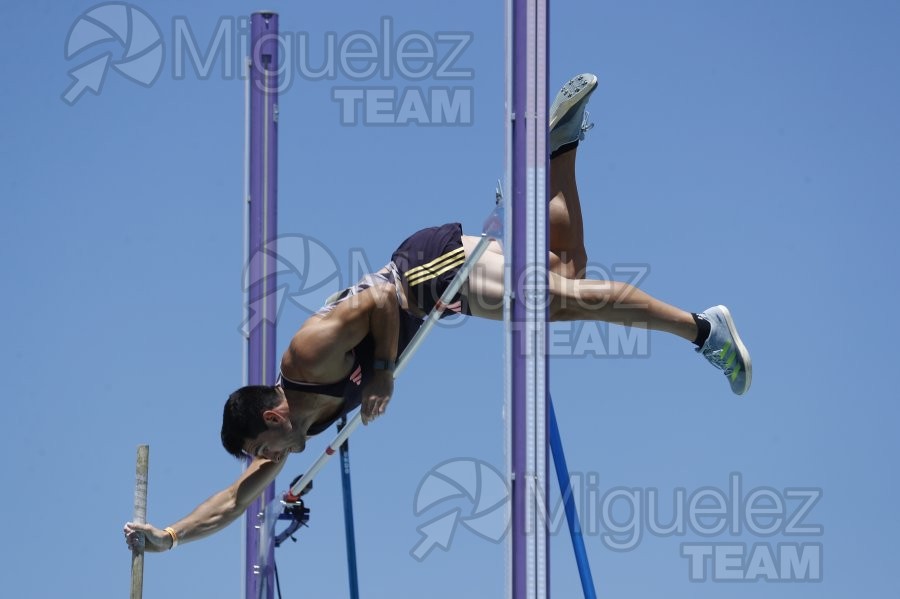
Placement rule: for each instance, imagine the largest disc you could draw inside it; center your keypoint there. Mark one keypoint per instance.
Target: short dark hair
(243, 416)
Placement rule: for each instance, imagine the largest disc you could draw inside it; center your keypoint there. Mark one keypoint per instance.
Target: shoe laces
(721, 358)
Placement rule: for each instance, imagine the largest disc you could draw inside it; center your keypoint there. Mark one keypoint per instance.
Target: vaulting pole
(263, 83)
(140, 517)
(565, 491)
(526, 287)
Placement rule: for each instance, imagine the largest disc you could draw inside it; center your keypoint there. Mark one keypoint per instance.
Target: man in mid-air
(343, 356)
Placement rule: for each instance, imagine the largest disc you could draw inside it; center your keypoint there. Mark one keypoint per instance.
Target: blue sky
(747, 153)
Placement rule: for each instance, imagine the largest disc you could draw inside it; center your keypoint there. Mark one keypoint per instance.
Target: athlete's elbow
(227, 502)
(241, 499)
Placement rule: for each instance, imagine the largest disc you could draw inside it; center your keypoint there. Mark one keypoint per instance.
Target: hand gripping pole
(493, 229)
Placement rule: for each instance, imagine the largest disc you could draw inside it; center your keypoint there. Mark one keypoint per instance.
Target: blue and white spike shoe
(568, 119)
(724, 349)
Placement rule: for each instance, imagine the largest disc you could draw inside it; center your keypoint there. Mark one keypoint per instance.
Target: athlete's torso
(346, 394)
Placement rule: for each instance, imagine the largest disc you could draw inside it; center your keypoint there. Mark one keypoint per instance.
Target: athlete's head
(256, 422)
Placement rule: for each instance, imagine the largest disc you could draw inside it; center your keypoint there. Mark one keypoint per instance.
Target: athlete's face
(279, 438)
(275, 443)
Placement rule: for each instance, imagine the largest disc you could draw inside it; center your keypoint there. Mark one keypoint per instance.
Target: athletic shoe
(568, 119)
(724, 350)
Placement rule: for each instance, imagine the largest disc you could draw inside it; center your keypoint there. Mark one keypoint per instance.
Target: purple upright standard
(526, 316)
(263, 86)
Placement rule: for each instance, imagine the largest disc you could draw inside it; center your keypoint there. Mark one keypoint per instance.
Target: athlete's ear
(272, 418)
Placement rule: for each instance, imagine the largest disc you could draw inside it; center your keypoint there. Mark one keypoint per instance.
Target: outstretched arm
(320, 351)
(212, 515)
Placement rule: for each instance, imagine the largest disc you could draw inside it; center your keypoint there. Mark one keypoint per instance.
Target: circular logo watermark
(306, 271)
(463, 478)
(140, 55)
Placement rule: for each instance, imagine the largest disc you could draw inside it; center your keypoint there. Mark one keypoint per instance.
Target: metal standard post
(526, 285)
(263, 160)
(140, 517)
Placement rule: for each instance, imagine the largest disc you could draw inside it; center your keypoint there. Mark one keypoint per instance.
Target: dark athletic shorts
(427, 261)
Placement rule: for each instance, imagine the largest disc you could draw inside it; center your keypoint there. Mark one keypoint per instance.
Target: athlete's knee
(564, 307)
(570, 264)
(579, 263)
(564, 302)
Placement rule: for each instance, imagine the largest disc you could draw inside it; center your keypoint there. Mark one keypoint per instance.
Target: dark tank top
(350, 387)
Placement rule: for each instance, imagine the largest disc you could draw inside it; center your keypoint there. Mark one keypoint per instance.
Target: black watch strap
(388, 365)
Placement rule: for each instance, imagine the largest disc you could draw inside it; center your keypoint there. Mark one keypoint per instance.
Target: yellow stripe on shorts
(436, 267)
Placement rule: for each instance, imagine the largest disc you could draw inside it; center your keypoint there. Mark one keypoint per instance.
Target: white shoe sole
(741, 349)
(566, 105)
